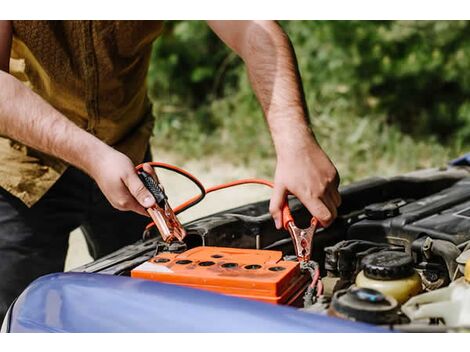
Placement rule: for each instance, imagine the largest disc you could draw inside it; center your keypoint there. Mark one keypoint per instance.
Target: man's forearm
(272, 69)
(27, 118)
(302, 168)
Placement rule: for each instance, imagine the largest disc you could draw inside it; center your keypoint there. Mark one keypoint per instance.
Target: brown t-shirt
(94, 73)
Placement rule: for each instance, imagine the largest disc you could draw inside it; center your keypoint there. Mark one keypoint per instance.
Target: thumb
(277, 201)
(139, 191)
(149, 169)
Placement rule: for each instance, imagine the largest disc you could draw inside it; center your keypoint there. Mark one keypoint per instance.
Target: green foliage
(384, 97)
(417, 74)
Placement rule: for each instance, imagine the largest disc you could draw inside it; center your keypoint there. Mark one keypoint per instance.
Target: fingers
(329, 203)
(336, 181)
(150, 170)
(139, 191)
(139, 210)
(277, 201)
(324, 208)
(334, 196)
(124, 201)
(320, 210)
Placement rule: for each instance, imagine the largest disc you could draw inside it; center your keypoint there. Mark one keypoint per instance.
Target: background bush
(384, 97)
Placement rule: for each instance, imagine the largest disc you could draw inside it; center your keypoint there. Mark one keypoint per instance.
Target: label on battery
(154, 268)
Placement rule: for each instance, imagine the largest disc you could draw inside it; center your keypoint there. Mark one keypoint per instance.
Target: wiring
(191, 202)
(224, 186)
(203, 191)
(315, 288)
(302, 238)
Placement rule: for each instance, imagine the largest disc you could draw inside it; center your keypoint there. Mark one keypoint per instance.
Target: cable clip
(302, 238)
(161, 213)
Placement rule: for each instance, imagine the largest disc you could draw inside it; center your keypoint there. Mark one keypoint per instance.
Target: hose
(445, 250)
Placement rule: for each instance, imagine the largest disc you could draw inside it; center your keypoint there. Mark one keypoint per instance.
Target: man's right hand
(116, 177)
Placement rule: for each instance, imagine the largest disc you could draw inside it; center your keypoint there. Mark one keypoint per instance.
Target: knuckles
(273, 210)
(122, 203)
(325, 215)
(140, 191)
(312, 193)
(325, 219)
(340, 200)
(330, 177)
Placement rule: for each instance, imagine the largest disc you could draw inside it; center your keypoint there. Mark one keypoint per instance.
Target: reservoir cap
(387, 265)
(364, 304)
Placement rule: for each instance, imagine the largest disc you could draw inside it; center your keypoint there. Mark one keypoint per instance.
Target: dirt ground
(210, 172)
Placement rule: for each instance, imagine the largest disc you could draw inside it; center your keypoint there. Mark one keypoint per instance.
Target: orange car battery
(249, 273)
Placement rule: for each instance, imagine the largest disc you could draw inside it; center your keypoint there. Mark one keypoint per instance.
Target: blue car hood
(79, 302)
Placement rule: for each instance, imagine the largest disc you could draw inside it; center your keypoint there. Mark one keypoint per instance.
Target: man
(75, 120)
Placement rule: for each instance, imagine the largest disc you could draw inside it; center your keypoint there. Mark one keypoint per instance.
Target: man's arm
(27, 118)
(302, 167)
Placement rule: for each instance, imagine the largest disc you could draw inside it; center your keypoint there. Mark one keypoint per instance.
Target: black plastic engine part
(365, 305)
(380, 211)
(444, 216)
(361, 194)
(344, 258)
(387, 265)
(251, 226)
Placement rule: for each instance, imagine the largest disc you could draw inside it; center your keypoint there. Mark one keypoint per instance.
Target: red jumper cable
(164, 217)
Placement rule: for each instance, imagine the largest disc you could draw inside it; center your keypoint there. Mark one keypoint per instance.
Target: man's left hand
(306, 172)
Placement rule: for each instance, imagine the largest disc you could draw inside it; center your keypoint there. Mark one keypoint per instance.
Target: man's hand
(308, 174)
(115, 175)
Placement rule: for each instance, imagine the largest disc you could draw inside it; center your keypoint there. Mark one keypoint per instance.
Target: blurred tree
(379, 75)
(415, 73)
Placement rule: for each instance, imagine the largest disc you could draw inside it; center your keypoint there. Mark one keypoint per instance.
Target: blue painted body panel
(79, 302)
(464, 160)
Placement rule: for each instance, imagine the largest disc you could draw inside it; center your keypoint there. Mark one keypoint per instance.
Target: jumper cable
(164, 217)
(161, 213)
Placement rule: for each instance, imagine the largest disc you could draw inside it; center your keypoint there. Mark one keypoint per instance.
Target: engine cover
(444, 215)
(256, 274)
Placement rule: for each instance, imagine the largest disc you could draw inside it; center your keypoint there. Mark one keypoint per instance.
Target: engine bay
(396, 256)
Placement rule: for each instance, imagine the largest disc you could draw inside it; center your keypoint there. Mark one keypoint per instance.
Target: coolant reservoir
(390, 273)
(452, 303)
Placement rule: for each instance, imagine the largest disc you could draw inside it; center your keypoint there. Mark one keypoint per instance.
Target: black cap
(382, 211)
(364, 304)
(387, 265)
